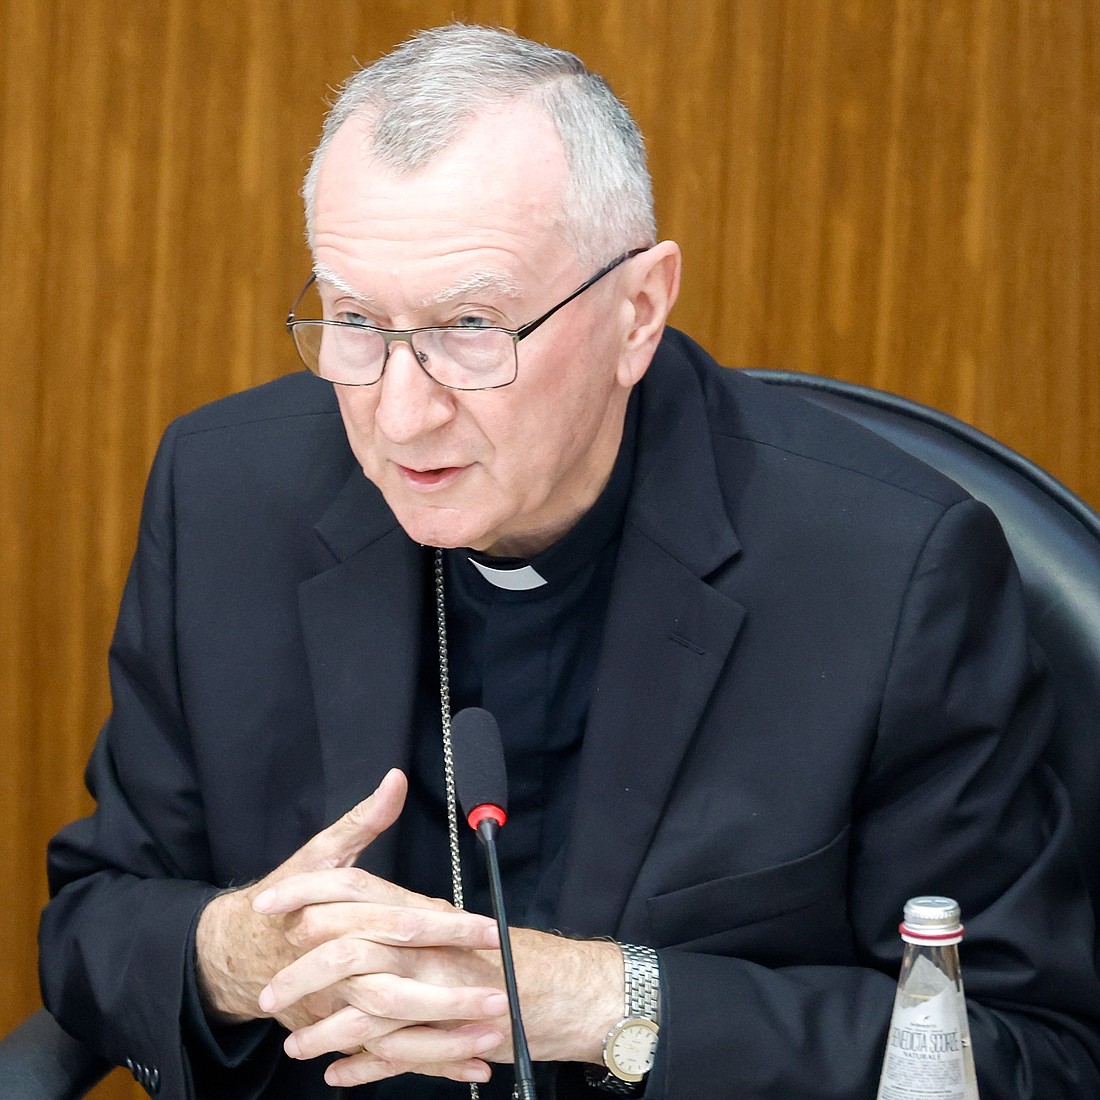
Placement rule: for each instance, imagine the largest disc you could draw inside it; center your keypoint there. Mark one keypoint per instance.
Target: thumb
(340, 844)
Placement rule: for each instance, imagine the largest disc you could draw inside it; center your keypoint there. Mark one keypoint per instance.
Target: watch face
(631, 1052)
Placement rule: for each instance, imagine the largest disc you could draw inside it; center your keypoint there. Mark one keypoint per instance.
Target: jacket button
(154, 1079)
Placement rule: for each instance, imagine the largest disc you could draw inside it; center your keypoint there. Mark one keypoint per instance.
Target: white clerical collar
(522, 579)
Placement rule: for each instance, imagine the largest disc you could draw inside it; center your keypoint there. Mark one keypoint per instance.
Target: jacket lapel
(360, 618)
(668, 636)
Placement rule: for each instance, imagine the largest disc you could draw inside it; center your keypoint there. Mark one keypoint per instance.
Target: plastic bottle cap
(932, 920)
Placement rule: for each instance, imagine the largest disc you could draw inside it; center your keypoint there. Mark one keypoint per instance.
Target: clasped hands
(396, 981)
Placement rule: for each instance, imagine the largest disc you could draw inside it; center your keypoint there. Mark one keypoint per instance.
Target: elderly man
(759, 676)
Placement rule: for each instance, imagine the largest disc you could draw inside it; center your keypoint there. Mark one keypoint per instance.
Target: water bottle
(928, 1052)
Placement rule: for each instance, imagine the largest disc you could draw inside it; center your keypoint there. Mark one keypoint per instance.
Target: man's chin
(446, 532)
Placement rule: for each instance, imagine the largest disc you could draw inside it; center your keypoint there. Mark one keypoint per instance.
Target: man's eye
(471, 320)
(349, 318)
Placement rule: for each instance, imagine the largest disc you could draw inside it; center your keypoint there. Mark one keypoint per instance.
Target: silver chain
(448, 748)
(448, 753)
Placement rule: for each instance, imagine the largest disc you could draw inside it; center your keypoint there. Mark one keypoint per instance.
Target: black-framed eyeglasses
(459, 357)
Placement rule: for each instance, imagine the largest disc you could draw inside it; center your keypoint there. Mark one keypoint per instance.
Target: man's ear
(654, 283)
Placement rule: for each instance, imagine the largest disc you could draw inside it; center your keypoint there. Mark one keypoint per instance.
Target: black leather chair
(40, 1061)
(1056, 540)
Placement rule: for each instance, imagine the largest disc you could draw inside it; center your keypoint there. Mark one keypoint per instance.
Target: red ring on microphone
(486, 811)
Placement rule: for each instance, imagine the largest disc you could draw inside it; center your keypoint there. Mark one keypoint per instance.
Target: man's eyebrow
(324, 274)
(494, 283)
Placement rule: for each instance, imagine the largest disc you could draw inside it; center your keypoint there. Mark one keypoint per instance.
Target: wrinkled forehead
(505, 162)
(492, 201)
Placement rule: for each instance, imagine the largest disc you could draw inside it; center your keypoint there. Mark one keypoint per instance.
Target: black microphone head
(480, 775)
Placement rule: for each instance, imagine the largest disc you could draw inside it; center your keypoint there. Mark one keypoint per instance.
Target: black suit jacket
(816, 698)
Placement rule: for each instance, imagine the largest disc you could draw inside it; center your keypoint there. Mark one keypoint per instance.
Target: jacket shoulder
(295, 395)
(784, 428)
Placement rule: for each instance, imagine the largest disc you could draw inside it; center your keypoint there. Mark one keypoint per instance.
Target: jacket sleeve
(955, 799)
(128, 882)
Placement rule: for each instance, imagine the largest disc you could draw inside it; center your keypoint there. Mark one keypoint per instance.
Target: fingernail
(496, 1004)
(291, 1047)
(477, 1074)
(262, 901)
(266, 999)
(390, 778)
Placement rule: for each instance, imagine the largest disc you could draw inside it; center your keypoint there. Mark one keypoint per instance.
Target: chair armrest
(41, 1061)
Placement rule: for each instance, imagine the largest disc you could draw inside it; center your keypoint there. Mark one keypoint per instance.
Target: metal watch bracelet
(641, 1002)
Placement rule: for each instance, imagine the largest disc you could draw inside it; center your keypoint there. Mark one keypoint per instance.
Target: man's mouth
(429, 478)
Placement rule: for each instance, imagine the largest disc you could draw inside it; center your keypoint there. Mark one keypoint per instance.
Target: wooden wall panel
(900, 192)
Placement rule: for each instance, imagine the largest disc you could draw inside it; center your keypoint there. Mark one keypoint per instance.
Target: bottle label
(925, 1052)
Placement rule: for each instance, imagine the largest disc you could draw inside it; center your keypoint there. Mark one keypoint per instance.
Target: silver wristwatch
(631, 1045)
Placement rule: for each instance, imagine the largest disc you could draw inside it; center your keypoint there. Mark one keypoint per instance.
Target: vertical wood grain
(898, 192)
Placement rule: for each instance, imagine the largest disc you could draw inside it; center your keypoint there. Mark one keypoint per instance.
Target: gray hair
(417, 98)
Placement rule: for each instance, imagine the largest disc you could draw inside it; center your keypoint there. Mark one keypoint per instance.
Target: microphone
(481, 783)
(481, 780)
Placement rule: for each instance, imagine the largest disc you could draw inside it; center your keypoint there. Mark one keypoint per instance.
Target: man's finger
(337, 884)
(377, 988)
(392, 1040)
(365, 1068)
(392, 925)
(340, 844)
(456, 1053)
(428, 1046)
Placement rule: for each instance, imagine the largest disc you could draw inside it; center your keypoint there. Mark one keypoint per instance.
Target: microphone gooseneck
(481, 782)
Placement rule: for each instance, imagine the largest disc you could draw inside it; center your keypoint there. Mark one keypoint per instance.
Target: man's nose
(410, 403)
